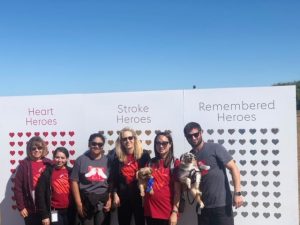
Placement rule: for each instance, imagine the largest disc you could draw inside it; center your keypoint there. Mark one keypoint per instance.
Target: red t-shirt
(37, 169)
(60, 188)
(160, 204)
(129, 169)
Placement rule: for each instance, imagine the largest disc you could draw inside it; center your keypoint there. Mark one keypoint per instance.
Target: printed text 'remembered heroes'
(40, 116)
(241, 111)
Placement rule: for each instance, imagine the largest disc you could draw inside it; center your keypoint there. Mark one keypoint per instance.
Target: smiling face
(127, 141)
(36, 150)
(96, 147)
(60, 160)
(194, 137)
(162, 146)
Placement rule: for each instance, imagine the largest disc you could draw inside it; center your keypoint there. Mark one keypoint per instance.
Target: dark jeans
(152, 221)
(33, 219)
(131, 207)
(216, 216)
(99, 218)
(63, 217)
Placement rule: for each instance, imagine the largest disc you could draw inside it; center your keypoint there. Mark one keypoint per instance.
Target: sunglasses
(99, 144)
(129, 138)
(195, 135)
(164, 143)
(36, 148)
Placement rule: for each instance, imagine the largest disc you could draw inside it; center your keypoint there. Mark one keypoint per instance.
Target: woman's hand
(116, 200)
(24, 213)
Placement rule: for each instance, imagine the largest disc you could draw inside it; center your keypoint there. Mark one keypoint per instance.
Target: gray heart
(276, 173)
(253, 141)
(243, 172)
(265, 193)
(253, 162)
(277, 215)
(243, 162)
(254, 193)
(255, 204)
(255, 214)
(252, 131)
(234, 214)
(245, 204)
(210, 141)
(264, 162)
(263, 130)
(210, 131)
(276, 194)
(243, 183)
(244, 193)
(242, 151)
(276, 183)
(242, 141)
(275, 130)
(265, 172)
(265, 183)
(275, 162)
(231, 152)
(231, 141)
(253, 172)
(266, 204)
(242, 131)
(231, 131)
(221, 141)
(277, 204)
(264, 141)
(254, 183)
(244, 214)
(275, 141)
(275, 151)
(264, 151)
(220, 131)
(253, 151)
(266, 215)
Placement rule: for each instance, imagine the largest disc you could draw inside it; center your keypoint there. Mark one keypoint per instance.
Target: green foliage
(297, 83)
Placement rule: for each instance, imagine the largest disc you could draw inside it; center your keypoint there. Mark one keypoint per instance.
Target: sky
(94, 46)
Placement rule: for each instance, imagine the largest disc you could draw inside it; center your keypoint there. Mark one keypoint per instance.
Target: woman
(161, 207)
(130, 156)
(27, 176)
(90, 183)
(53, 191)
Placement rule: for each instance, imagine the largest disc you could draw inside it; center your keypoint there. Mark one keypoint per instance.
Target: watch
(238, 193)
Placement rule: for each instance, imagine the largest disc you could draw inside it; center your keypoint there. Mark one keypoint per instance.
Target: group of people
(49, 192)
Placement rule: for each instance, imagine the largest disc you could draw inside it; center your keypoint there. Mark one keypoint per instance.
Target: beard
(196, 144)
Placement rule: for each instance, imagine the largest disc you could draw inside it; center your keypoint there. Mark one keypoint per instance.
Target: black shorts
(216, 216)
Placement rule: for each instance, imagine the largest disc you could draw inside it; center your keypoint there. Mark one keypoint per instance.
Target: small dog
(189, 174)
(145, 180)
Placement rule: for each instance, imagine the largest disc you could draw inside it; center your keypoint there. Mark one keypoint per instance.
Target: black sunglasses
(94, 144)
(195, 135)
(130, 138)
(36, 148)
(164, 143)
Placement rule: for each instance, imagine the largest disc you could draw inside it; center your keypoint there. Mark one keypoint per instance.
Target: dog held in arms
(145, 180)
(189, 174)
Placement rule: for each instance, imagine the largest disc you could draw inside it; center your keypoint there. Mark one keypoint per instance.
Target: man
(214, 185)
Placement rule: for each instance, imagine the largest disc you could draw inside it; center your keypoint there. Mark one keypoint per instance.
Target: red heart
(72, 152)
(12, 152)
(12, 143)
(20, 152)
(63, 143)
(62, 133)
(54, 133)
(72, 161)
(12, 170)
(46, 142)
(20, 134)
(37, 133)
(28, 134)
(11, 134)
(54, 143)
(20, 143)
(71, 143)
(71, 133)
(45, 134)
(12, 161)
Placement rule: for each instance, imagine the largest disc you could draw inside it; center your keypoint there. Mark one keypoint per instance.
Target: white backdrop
(256, 125)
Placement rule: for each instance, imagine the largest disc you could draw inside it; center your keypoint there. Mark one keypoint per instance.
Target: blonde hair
(120, 149)
(32, 142)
